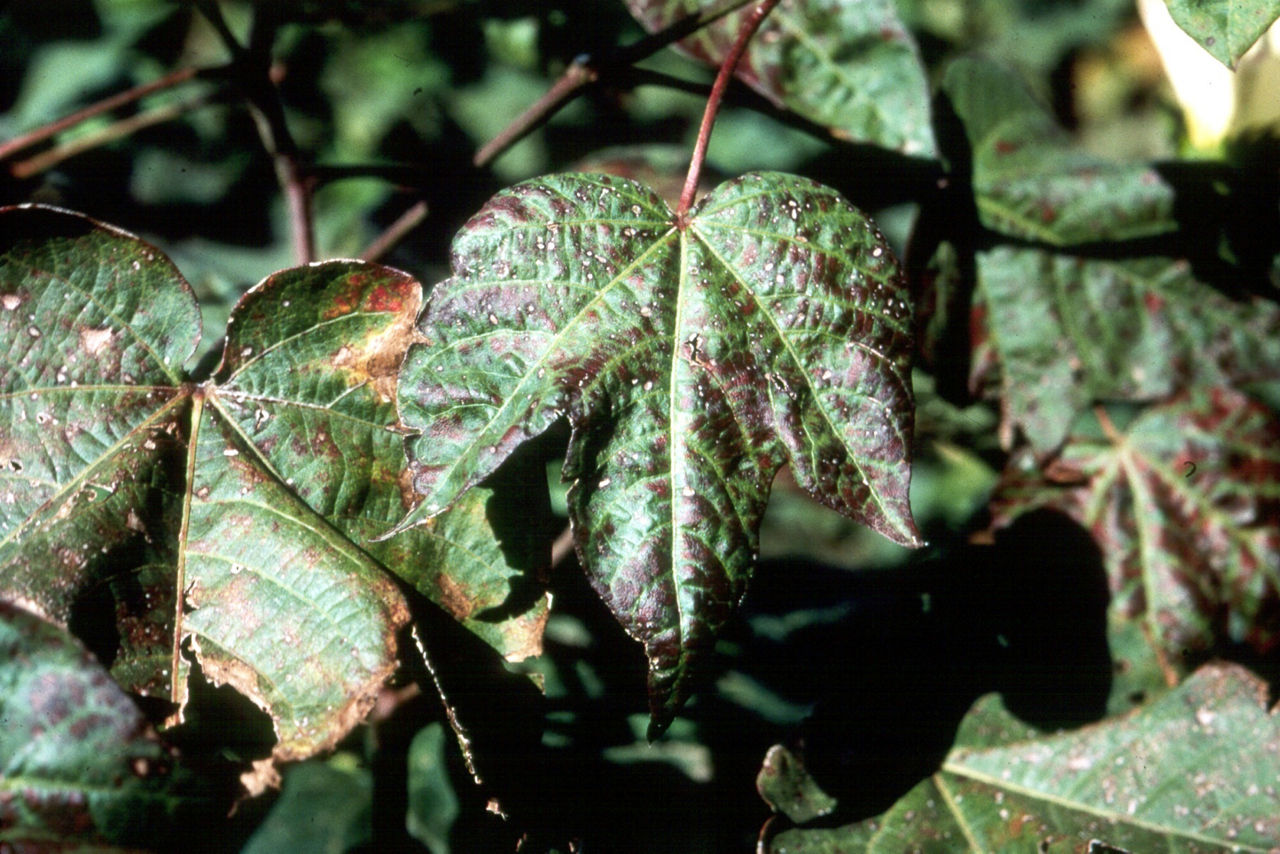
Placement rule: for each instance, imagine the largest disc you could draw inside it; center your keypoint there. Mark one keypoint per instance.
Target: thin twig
(297, 189)
(634, 78)
(584, 71)
(459, 732)
(121, 129)
(676, 30)
(575, 77)
(106, 105)
(397, 231)
(730, 64)
(562, 547)
(252, 70)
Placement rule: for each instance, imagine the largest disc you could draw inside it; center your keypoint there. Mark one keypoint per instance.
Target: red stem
(575, 77)
(405, 223)
(23, 169)
(730, 64)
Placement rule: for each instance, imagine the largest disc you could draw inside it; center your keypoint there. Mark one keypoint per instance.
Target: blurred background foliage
(389, 101)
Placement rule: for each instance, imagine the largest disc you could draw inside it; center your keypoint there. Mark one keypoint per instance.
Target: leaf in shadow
(848, 65)
(81, 767)
(1193, 771)
(1183, 503)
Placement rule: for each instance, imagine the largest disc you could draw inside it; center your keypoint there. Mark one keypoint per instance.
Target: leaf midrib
(74, 484)
(532, 370)
(799, 363)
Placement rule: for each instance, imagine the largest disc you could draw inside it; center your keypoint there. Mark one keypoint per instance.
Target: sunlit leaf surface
(1225, 28)
(113, 463)
(1196, 771)
(691, 364)
(309, 373)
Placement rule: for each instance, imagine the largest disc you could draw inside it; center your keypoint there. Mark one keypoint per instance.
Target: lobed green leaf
(1184, 505)
(118, 472)
(690, 363)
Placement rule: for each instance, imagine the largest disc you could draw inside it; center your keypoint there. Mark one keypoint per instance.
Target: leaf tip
(659, 723)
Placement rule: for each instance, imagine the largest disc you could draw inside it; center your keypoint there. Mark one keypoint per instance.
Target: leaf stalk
(253, 71)
(748, 29)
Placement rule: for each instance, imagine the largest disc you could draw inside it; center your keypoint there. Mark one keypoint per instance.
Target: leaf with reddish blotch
(1030, 180)
(309, 373)
(849, 65)
(112, 462)
(80, 768)
(691, 364)
(1064, 331)
(1185, 505)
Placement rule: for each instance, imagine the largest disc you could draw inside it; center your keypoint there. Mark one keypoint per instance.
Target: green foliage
(1226, 28)
(1030, 181)
(106, 444)
(81, 768)
(848, 65)
(1187, 773)
(323, 806)
(1052, 357)
(1182, 504)
(690, 362)
(286, 519)
(433, 805)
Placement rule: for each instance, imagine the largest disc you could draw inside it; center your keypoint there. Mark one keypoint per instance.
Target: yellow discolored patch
(93, 340)
(375, 362)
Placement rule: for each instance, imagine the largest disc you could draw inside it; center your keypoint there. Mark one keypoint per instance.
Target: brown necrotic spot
(453, 597)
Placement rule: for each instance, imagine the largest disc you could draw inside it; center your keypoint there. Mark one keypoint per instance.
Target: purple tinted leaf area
(1185, 506)
(690, 364)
